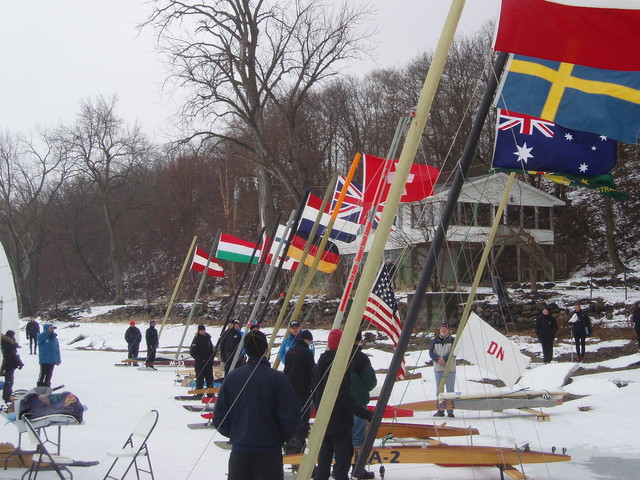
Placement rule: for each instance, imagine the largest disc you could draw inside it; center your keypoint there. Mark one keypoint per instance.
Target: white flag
(491, 351)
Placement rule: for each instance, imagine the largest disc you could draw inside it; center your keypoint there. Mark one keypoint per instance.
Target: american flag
(382, 308)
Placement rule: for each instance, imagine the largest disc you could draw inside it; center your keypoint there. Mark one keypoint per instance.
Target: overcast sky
(56, 52)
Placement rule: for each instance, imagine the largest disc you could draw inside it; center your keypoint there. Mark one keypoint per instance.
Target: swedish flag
(594, 100)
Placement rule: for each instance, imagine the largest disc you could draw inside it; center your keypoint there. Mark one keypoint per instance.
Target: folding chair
(42, 459)
(129, 450)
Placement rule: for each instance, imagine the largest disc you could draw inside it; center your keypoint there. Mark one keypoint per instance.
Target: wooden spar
(450, 455)
(430, 264)
(477, 278)
(195, 300)
(377, 248)
(421, 431)
(265, 284)
(177, 287)
(337, 321)
(298, 272)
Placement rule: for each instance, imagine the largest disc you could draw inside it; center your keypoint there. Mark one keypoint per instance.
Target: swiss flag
(419, 184)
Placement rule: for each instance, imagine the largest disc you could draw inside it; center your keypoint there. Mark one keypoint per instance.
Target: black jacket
(258, 411)
(298, 368)
(346, 406)
(635, 317)
(581, 325)
(32, 329)
(132, 335)
(230, 341)
(202, 349)
(10, 358)
(151, 337)
(546, 327)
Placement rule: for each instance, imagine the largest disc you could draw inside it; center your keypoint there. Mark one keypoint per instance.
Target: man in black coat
(546, 328)
(10, 361)
(151, 337)
(32, 329)
(202, 352)
(298, 368)
(635, 318)
(258, 410)
(338, 437)
(229, 344)
(133, 337)
(581, 329)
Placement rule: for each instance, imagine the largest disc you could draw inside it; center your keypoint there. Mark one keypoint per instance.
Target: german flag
(330, 256)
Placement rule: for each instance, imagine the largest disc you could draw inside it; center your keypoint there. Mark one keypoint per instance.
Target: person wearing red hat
(337, 440)
(133, 337)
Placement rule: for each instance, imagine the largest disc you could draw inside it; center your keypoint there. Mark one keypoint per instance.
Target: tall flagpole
(438, 241)
(195, 300)
(476, 281)
(177, 287)
(379, 242)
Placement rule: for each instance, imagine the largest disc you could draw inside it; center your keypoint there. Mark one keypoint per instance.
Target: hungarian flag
(419, 184)
(199, 263)
(381, 309)
(595, 33)
(329, 259)
(237, 250)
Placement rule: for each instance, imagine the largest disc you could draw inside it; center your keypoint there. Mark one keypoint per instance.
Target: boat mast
(377, 248)
(429, 266)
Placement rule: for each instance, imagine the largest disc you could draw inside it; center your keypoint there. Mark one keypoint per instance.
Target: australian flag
(526, 143)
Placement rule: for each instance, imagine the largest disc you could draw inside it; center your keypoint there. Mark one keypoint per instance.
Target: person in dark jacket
(635, 318)
(363, 380)
(258, 410)
(337, 440)
(133, 337)
(229, 344)
(32, 329)
(546, 328)
(439, 352)
(202, 352)
(10, 361)
(151, 337)
(49, 354)
(581, 329)
(298, 368)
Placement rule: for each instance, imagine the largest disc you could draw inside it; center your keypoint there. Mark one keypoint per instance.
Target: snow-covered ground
(602, 441)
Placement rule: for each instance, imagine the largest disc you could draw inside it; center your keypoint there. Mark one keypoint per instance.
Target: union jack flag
(353, 208)
(526, 123)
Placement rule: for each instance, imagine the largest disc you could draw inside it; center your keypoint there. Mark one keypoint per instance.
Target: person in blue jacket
(48, 354)
(290, 341)
(258, 410)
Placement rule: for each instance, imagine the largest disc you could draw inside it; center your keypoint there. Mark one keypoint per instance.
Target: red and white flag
(419, 183)
(199, 263)
(595, 33)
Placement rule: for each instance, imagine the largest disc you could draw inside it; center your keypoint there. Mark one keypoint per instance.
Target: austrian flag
(199, 263)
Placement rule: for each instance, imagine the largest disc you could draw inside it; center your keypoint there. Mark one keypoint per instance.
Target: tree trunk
(265, 200)
(610, 240)
(118, 283)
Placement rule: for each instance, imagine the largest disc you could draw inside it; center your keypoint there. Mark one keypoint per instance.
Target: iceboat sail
(9, 319)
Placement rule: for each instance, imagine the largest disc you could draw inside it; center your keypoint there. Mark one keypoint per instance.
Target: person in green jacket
(363, 380)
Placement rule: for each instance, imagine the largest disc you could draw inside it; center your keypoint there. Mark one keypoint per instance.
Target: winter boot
(439, 413)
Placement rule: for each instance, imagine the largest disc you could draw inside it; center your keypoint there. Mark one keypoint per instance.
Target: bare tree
(109, 155)
(30, 177)
(238, 57)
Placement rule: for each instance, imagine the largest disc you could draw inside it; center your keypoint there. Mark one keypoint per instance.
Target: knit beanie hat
(201, 327)
(132, 323)
(334, 339)
(306, 335)
(255, 343)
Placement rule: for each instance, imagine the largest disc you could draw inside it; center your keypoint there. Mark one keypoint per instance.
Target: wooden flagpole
(177, 287)
(430, 264)
(476, 281)
(379, 242)
(195, 300)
